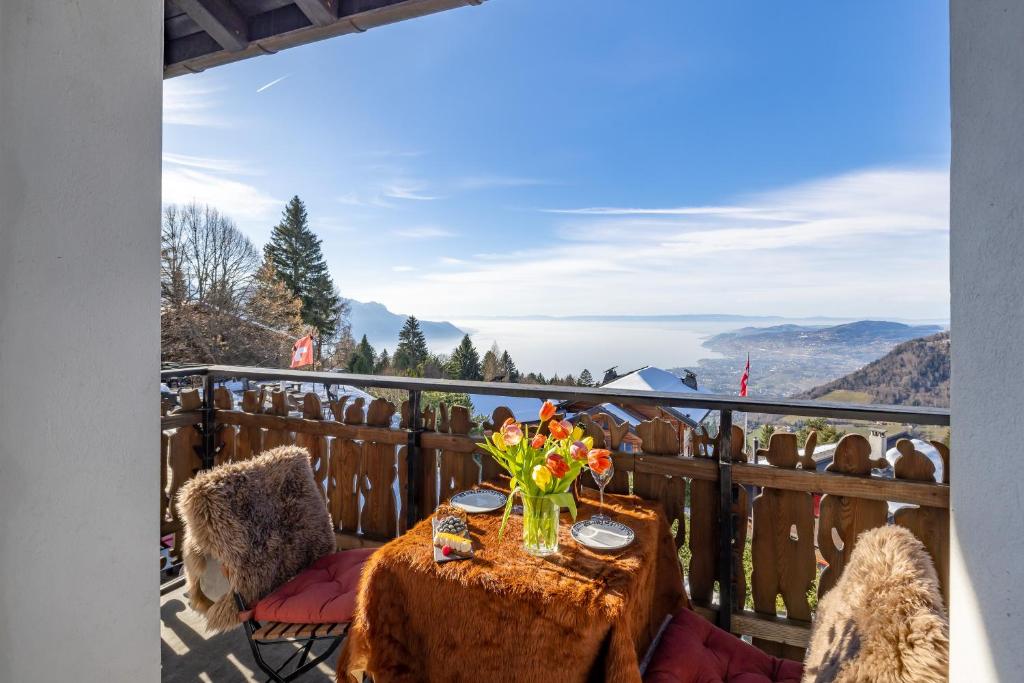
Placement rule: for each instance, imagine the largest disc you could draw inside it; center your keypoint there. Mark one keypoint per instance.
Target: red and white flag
(302, 352)
(745, 378)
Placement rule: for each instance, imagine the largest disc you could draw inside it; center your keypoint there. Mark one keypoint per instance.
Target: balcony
(383, 467)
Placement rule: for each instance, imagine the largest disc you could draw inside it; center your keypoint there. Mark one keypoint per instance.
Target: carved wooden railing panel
(783, 544)
(930, 525)
(842, 519)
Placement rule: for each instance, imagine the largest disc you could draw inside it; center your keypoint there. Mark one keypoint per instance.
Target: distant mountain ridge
(381, 326)
(916, 373)
(862, 332)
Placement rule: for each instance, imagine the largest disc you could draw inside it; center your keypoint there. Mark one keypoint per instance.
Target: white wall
(80, 98)
(987, 256)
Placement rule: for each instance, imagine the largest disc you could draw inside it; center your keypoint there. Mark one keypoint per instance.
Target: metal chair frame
(301, 667)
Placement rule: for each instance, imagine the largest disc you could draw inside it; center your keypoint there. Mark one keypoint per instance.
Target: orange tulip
(557, 464)
(599, 460)
(560, 429)
(511, 432)
(547, 411)
(538, 441)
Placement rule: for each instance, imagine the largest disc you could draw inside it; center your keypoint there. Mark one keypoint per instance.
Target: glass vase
(540, 525)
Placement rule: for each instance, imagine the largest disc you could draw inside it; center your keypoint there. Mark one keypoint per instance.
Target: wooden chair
(259, 551)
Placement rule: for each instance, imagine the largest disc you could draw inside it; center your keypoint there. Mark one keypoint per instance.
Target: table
(507, 616)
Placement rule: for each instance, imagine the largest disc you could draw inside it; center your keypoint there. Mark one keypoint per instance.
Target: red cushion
(693, 650)
(324, 593)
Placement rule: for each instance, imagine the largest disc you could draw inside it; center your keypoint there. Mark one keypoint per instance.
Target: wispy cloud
(407, 189)
(188, 104)
(676, 211)
(212, 181)
(425, 232)
(867, 242)
(272, 83)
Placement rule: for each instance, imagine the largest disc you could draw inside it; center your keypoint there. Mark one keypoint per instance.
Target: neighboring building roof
(655, 379)
(523, 409)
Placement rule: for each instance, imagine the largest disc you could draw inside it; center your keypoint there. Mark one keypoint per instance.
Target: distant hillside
(914, 373)
(871, 333)
(381, 326)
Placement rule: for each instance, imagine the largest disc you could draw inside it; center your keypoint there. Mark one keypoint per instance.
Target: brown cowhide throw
(507, 616)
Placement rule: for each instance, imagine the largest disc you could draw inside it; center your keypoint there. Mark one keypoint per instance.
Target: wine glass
(602, 480)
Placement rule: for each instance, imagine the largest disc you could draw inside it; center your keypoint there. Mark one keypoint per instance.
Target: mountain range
(916, 373)
(381, 326)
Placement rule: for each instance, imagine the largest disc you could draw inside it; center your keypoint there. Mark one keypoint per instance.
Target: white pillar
(80, 108)
(987, 256)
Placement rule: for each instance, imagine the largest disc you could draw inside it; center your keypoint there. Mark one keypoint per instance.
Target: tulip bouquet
(543, 467)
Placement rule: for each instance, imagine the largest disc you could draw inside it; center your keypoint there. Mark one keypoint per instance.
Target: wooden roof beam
(221, 20)
(320, 12)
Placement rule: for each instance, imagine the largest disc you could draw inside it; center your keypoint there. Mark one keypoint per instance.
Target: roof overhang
(199, 34)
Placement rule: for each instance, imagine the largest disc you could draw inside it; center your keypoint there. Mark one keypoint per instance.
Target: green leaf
(508, 508)
(565, 500)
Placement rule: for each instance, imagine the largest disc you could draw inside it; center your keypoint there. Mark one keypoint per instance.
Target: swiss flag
(302, 352)
(745, 378)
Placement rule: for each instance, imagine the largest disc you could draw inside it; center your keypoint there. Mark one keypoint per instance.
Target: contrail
(273, 82)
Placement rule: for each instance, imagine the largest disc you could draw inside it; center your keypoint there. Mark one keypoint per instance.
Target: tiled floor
(188, 654)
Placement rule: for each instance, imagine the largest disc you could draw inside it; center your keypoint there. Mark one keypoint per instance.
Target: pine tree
(585, 380)
(465, 361)
(491, 365)
(294, 250)
(363, 359)
(412, 347)
(508, 368)
(383, 363)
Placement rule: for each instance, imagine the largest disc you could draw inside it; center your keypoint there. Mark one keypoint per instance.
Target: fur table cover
(507, 616)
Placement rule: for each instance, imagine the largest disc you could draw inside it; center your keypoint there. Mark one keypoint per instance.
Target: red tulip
(557, 464)
(599, 460)
(547, 411)
(538, 441)
(560, 429)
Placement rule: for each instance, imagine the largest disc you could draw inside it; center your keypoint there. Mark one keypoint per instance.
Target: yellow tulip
(498, 440)
(541, 476)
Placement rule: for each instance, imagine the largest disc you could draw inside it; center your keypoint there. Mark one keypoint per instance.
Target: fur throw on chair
(264, 520)
(884, 620)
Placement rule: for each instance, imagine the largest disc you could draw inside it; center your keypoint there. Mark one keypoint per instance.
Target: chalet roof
(649, 378)
(199, 34)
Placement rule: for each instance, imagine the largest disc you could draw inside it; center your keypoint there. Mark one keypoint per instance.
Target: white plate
(601, 534)
(479, 500)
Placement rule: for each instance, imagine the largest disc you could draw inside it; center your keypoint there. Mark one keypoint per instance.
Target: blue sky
(540, 157)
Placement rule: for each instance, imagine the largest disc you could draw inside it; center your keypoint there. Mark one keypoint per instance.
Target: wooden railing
(380, 474)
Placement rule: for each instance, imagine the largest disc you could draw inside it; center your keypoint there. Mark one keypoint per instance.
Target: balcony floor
(187, 654)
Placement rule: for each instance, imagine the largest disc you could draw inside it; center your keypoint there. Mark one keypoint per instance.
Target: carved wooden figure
(226, 435)
(661, 440)
(319, 455)
(250, 439)
(930, 525)
(783, 543)
(458, 470)
(842, 519)
(379, 517)
(345, 469)
(273, 438)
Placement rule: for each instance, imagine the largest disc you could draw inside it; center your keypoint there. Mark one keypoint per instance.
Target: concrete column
(987, 257)
(80, 109)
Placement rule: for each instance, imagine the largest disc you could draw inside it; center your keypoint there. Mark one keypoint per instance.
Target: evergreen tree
(508, 368)
(585, 380)
(412, 347)
(491, 364)
(383, 363)
(434, 367)
(363, 359)
(294, 250)
(465, 361)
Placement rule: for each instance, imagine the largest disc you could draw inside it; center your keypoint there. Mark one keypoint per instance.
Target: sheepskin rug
(884, 620)
(263, 520)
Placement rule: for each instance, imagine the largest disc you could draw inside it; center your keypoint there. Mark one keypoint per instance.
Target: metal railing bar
(783, 406)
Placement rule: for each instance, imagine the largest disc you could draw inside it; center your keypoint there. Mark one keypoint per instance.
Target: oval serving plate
(601, 534)
(479, 500)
